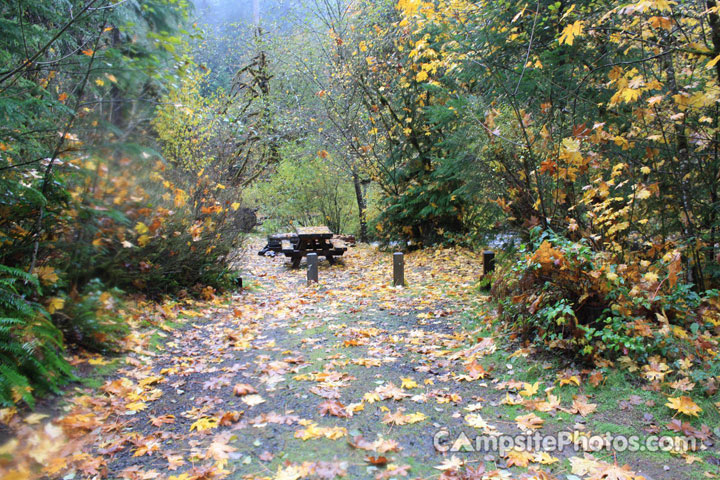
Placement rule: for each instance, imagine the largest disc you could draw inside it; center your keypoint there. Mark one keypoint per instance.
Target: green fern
(31, 347)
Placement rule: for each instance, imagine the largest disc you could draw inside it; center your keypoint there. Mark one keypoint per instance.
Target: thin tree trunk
(361, 206)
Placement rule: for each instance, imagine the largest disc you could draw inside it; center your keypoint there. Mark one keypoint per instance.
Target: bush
(156, 231)
(31, 347)
(180, 257)
(305, 190)
(90, 321)
(562, 294)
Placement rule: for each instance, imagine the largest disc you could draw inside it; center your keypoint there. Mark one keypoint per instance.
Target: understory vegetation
(94, 203)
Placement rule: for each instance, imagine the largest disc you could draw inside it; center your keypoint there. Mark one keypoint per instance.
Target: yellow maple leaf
(573, 379)
(662, 5)
(452, 463)
(204, 423)
(35, 418)
(179, 199)
(136, 406)
(570, 32)
(141, 228)
(55, 304)
(545, 458)
(291, 472)
(520, 458)
(46, 275)
(629, 95)
(182, 476)
(408, 383)
(415, 417)
(409, 7)
(651, 277)
(252, 400)
(643, 194)
(529, 389)
(371, 397)
(684, 404)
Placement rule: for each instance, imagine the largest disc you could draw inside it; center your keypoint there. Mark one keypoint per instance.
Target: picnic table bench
(306, 240)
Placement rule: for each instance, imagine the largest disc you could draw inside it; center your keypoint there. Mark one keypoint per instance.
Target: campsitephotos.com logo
(445, 441)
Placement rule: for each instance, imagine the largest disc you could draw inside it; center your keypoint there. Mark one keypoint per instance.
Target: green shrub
(175, 261)
(31, 347)
(561, 294)
(305, 190)
(90, 321)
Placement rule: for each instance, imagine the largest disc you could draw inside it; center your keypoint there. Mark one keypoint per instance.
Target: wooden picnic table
(306, 240)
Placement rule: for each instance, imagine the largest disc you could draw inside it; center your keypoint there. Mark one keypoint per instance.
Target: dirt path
(347, 378)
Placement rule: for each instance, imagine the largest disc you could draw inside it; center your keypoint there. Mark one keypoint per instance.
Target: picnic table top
(320, 231)
(282, 236)
(304, 233)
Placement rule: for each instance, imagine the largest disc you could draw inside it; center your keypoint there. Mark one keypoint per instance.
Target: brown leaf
(228, 418)
(376, 460)
(581, 406)
(329, 470)
(174, 461)
(219, 450)
(162, 420)
(325, 392)
(596, 378)
(529, 422)
(334, 408)
(243, 389)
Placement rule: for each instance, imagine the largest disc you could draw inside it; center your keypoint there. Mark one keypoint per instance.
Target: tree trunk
(361, 206)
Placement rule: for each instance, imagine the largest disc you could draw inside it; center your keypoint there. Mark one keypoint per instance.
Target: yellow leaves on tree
(408, 7)
(570, 32)
(548, 257)
(180, 197)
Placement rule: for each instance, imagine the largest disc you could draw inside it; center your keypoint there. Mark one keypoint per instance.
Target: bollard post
(398, 269)
(488, 262)
(312, 268)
